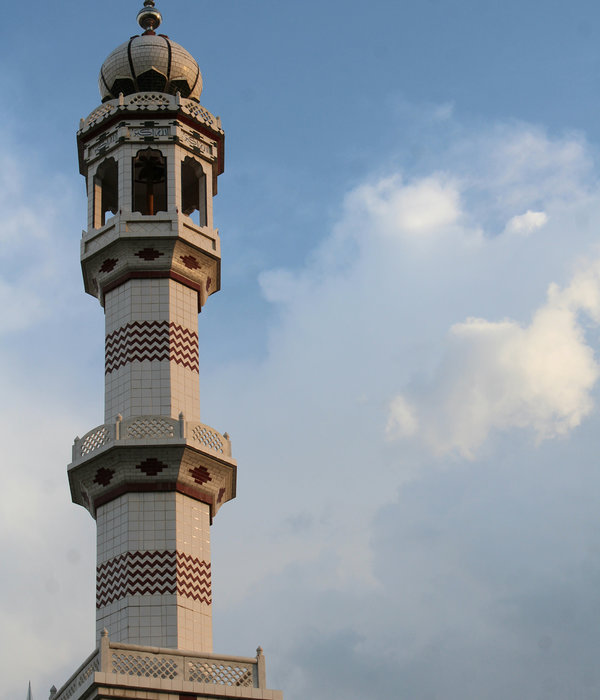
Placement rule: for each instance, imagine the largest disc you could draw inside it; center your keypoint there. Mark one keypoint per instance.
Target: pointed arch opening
(106, 191)
(193, 191)
(149, 182)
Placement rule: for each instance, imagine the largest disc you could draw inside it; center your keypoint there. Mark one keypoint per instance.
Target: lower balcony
(126, 670)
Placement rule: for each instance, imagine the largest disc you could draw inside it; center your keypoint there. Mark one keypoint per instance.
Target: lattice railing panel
(94, 440)
(89, 670)
(69, 690)
(79, 679)
(200, 113)
(144, 666)
(221, 673)
(150, 427)
(149, 98)
(98, 114)
(230, 671)
(208, 437)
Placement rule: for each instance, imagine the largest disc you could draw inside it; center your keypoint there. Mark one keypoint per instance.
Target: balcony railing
(130, 664)
(151, 430)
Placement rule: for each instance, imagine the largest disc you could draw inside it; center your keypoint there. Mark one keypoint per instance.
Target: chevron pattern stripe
(151, 340)
(193, 578)
(151, 572)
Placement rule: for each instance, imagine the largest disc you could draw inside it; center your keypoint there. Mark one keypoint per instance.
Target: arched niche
(193, 191)
(149, 182)
(106, 191)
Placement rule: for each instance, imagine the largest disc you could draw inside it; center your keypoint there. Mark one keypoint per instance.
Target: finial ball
(149, 18)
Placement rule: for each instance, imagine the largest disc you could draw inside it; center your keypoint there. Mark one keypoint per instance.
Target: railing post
(118, 420)
(261, 668)
(185, 674)
(104, 652)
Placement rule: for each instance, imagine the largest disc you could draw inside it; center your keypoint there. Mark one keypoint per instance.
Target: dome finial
(149, 18)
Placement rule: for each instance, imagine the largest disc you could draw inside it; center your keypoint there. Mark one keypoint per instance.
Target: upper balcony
(149, 105)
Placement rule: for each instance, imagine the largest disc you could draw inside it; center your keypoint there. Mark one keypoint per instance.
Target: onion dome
(150, 63)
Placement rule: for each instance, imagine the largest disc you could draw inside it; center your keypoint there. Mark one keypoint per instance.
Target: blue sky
(404, 350)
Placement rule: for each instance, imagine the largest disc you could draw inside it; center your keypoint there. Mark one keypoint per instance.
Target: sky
(404, 350)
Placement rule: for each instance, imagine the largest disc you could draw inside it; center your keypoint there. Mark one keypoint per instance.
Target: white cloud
(443, 111)
(422, 207)
(36, 240)
(21, 307)
(526, 223)
(278, 285)
(402, 421)
(501, 375)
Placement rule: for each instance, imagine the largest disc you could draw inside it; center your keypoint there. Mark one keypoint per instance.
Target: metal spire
(149, 18)
(29, 695)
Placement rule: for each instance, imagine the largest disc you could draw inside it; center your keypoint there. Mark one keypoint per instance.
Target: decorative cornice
(157, 274)
(156, 487)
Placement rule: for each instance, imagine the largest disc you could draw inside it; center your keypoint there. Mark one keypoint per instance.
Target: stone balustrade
(152, 102)
(161, 669)
(151, 430)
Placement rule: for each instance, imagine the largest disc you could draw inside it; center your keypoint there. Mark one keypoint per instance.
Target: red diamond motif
(109, 264)
(200, 474)
(104, 476)
(151, 466)
(149, 254)
(190, 262)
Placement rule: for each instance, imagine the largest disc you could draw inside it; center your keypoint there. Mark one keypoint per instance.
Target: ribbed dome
(150, 63)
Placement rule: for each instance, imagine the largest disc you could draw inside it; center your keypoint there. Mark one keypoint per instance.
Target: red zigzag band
(152, 572)
(151, 340)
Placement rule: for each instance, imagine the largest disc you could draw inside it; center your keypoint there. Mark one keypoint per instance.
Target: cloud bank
(421, 253)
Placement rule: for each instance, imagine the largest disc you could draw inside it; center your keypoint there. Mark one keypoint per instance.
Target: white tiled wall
(140, 522)
(152, 387)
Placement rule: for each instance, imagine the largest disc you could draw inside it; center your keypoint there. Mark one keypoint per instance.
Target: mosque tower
(153, 476)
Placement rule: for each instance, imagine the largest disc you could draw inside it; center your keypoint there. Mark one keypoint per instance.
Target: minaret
(153, 476)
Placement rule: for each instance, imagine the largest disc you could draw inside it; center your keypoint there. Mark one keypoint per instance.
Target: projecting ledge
(152, 453)
(133, 226)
